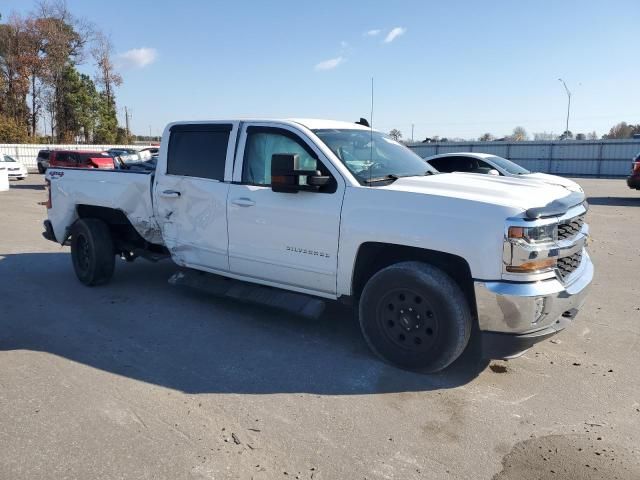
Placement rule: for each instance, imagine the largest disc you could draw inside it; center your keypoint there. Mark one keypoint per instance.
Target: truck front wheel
(92, 251)
(415, 316)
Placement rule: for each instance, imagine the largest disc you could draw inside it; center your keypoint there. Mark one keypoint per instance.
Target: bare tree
(395, 134)
(545, 136)
(36, 67)
(106, 78)
(519, 134)
(592, 136)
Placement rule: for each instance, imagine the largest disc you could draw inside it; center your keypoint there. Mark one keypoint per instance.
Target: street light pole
(568, 104)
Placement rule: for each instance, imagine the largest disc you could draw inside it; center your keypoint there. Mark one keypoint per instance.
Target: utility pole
(412, 125)
(126, 120)
(149, 134)
(566, 131)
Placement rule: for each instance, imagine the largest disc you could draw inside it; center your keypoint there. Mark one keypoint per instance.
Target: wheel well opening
(373, 257)
(125, 237)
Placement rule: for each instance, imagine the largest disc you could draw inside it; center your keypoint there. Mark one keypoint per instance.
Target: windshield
(125, 154)
(508, 166)
(7, 158)
(372, 156)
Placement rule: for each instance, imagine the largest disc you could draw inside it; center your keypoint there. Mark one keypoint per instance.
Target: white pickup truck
(340, 211)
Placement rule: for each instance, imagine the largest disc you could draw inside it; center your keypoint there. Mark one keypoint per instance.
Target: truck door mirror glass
(289, 176)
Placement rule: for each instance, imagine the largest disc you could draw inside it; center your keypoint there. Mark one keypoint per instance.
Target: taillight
(636, 167)
(48, 187)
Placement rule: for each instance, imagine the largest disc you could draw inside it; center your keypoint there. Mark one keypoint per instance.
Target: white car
(485, 163)
(15, 169)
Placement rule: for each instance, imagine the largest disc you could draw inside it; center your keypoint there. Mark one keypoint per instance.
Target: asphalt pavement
(139, 379)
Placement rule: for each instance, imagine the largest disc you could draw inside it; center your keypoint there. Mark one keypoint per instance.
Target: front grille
(570, 228)
(568, 265)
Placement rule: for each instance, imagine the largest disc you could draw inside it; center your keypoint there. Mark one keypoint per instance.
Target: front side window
(484, 167)
(373, 157)
(509, 166)
(198, 150)
(261, 144)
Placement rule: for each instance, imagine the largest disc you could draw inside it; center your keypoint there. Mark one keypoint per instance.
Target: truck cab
(340, 211)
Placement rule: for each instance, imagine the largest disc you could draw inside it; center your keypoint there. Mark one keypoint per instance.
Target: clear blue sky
(461, 68)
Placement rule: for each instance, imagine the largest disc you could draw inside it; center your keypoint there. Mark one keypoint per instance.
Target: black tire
(92, 251)
(415, 316)
(40, 168)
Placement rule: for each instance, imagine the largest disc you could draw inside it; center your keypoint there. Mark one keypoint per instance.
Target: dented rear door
(191, 190)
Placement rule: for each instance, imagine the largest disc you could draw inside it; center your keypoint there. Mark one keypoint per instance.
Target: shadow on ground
(140, 327)
(615, 201)
(25, 186)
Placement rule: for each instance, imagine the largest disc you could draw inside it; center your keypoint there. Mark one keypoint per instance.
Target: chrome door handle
(170, 194)
(243, 202)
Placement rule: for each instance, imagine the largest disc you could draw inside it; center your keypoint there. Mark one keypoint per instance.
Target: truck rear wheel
(415, 316)
(92, 251)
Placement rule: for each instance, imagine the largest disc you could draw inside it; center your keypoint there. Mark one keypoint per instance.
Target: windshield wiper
(387, 178)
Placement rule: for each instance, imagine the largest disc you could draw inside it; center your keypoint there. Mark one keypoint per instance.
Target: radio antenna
(371, 135)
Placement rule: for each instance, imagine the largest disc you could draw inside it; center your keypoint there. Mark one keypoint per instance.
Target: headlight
(542, 234)
(529, 250)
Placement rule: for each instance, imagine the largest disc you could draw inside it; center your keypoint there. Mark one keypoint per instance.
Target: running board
(291, 302)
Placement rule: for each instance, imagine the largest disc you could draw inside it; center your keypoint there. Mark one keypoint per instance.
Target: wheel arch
(125, 236)
(374, 256)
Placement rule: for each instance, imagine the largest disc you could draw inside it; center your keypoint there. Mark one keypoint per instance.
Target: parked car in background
(80, 159)
(15, 169)
(43, 161)
(633, 180)
(149, 152)
(127, 155)
(486, 163)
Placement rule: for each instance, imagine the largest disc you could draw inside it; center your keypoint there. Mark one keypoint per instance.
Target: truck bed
(126, 190)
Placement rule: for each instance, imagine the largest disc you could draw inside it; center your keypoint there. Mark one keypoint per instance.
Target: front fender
(472, 230)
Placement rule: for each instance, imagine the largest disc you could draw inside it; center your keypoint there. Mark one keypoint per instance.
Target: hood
(520, 193)
(555, 180)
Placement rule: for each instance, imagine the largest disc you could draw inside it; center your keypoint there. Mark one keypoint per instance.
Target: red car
(80, 159)
(634, 179)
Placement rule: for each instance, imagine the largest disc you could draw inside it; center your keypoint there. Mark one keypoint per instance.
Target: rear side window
(442, 165)
(198, 150)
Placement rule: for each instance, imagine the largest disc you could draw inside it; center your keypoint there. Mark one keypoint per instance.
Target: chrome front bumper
(522, 314)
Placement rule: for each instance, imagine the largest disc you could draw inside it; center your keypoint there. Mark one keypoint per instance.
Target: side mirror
(287, 177)
(493, 171)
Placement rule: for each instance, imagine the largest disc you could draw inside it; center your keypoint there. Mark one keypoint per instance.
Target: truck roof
(318, 124)
(310, 123)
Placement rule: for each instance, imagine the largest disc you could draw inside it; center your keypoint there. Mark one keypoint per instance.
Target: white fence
(27, 153)
(588, 158)
(597, 158)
